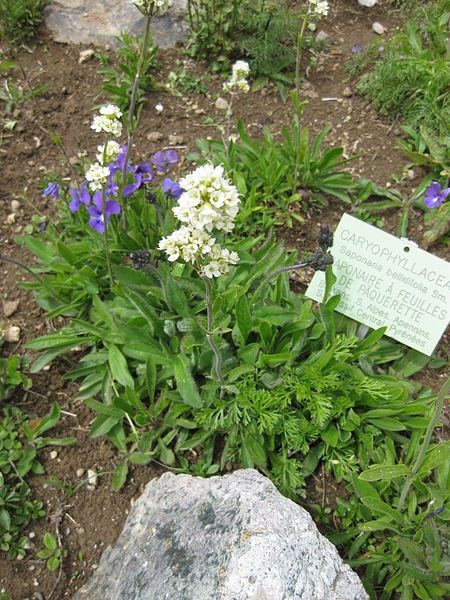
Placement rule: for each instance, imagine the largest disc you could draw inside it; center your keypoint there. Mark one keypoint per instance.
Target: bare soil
(87, 520)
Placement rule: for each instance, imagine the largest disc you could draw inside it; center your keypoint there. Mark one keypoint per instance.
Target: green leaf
(5, 519)
(50, 541)
(244, 318)
(379, 507)
(384, 472)
(438, 455)
(330, 435)
(120, 475)
(119, 367)
(185, 382)
(34, 429)
(150, 378)
(53, 563)
(330, 280)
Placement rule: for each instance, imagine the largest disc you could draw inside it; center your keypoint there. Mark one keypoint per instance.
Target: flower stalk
(210, 338)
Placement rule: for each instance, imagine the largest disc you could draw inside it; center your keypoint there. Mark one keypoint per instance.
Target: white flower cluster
(97, 176)
(108, 121)
(319, 7)
(150, 7)
(238, 80)
(111, 154)
(209, 201)
(194, 246)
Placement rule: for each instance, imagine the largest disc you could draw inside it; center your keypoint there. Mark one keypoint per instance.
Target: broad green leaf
(185, 382)
(438, 455)
(120, 475)
(384, 472)
(50, 541)
(119, 367)
(244, 318)
(379, 507)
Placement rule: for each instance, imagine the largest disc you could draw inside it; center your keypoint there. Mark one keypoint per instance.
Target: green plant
(412, 78)
(50, 552)
(118, 82)
(20, 441)
(180, 81)
(11, 376)
(19, 19)
(263, 171)
(13, 95)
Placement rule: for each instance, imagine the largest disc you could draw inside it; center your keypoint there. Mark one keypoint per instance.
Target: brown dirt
(89, 520)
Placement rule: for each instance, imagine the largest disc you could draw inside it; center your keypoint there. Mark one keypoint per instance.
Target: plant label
(386, 281)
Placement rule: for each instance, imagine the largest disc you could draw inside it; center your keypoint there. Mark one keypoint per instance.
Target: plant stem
(134, 91)
(437, 413)
(105, 222)
(228, 128)
(13, 261)
(209, 336)
(296, 102)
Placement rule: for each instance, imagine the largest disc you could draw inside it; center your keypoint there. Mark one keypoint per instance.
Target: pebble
(175, 140)
(15, 205)
(378, 28)
(10, 307)
(80, 473)
(322, 36)
(410, 173)
(221, 104)
(85, 55)
(11, 219)
(347, 92)
(12, 334)
(92, 478)
(53, 454)
(367, 3)
(155, 136)
(159, 108)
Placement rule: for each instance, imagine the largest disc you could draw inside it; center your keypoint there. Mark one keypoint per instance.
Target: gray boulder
(99, 22)
(224, 538)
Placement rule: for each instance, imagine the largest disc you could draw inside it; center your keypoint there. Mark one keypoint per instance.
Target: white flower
(97, 176)
(111, 111)
(238, 80)
(189, 244)
(112, 151)
(149, 7)
(212, 269)
(319, 7)
(209, 200)
(108, 121)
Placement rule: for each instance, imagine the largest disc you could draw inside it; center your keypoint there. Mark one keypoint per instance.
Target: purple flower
(435, 195)
(96, 212)
(172, 188)
(142, 174)
(52, 190)
(164, 159)
(79, 197)
(356, 48)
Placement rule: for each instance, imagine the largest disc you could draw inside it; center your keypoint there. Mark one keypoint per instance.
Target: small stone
(12, 334)
(11, 219)
(410, 174)
(347, 92)
(159, 108)
(176, 140)
(322, 36)
(31, 535)
(367, 3)
(155, 136)
(15, 205)
(92, 478)
(53, 454)
(378, 28)
(10, 307)
(80, 473)
(85, 55)
(221, 104)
